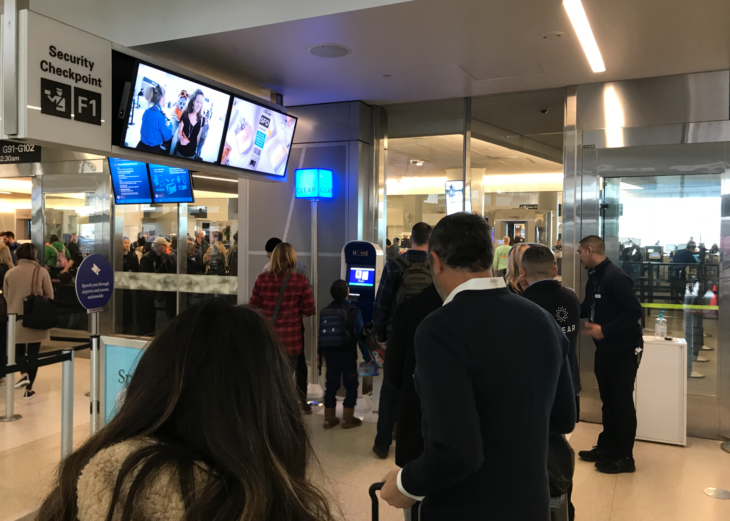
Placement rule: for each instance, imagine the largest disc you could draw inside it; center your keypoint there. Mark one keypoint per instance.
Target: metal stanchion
(314, 389)
(67, 406)
(95, 372)
(10, 415)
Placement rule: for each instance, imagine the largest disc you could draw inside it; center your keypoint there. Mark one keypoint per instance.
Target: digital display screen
(172, 115)
(362, 277)
(170, 184)
(258, 138)
(130, 182)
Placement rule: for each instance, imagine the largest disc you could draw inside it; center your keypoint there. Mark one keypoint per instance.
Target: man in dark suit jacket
(401, 366)
(489, 395)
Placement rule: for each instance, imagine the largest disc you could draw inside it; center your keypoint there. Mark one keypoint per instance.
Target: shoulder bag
(39, 312)
(281, 298)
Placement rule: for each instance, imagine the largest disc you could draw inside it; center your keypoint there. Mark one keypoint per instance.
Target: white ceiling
(442, 153)
(427, 46)
(138, 22)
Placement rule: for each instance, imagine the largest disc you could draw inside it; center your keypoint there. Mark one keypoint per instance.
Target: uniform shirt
(298, 302)
(387, 289)
(681, 257)
(155, 130)
(612, 303)
(501, 255)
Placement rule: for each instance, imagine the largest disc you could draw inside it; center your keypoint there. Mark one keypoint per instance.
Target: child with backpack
(340, 326)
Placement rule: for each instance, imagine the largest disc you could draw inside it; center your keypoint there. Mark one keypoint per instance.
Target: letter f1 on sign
(95, 282)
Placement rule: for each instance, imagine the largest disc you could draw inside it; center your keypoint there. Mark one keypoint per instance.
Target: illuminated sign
(314, 183)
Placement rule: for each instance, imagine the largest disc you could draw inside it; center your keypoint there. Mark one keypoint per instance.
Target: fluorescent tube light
(578, 18)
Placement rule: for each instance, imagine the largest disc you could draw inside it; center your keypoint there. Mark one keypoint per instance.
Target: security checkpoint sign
(64, 84)
(94, 282)
(313, 183)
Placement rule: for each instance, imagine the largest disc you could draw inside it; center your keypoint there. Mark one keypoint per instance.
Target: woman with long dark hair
(210, 428)
(191, 122)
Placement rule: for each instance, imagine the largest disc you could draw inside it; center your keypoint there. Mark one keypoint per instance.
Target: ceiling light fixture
(215, 178)
(5, 192)
(329, 50)
(578, 18)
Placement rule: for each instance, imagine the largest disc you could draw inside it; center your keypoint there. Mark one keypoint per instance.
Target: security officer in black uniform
(613, 312)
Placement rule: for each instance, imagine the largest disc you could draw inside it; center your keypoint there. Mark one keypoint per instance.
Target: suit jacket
(400, 364)
(563, 304)
(494, 379)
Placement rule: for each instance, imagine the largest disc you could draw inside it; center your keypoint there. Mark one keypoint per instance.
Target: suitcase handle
(374, 498)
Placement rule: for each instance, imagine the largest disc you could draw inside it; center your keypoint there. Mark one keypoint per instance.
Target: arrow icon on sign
(95, 269)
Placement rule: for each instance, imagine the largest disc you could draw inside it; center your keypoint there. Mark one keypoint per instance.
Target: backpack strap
(281, 298)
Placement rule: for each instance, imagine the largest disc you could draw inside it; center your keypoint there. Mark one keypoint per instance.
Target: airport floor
(668, 484)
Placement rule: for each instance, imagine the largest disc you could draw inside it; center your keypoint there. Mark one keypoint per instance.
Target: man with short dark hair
(12, 245)
(678, 270)
(485, 429)
(613, 312)
(75, 250)
(393, 250)
(393, 289)
(537, 277)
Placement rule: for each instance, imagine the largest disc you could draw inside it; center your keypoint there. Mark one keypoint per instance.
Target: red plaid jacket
(298, 302)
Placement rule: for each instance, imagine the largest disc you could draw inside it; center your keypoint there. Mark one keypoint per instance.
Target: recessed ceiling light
(578, 18)
(329, 50)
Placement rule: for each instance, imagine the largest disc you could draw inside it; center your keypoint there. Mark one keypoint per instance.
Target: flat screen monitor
(362, 277)
(173, 115)
(258, 139)
(130, 181)
(170, 184)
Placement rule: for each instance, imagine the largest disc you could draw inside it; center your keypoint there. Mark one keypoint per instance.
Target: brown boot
(348, 418)
(330, 418)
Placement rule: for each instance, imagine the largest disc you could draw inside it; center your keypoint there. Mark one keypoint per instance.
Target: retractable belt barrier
(63, 356)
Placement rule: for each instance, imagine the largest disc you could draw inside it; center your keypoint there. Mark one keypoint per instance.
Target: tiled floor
(667, 486)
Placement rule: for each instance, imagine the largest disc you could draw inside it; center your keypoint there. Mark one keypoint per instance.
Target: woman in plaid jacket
(297, 303)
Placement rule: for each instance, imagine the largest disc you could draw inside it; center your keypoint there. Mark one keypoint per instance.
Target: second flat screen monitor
(172, 115)
(258, 138)
(170, 185)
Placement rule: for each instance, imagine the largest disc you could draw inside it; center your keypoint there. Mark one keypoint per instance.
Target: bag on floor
(39, 312)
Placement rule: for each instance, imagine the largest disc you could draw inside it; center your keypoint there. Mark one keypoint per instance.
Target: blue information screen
(130, 181)
(362, 277)
(170, 184)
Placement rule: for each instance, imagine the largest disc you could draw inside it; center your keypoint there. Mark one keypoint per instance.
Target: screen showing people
(170, 184)
(258, 138)
(175, 116)
(130, 181)
(362, 277)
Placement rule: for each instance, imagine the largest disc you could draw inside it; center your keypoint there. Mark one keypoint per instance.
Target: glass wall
(171, 256)
(513, 176)
(665, 233)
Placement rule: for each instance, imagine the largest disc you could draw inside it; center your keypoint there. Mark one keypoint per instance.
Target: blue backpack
(337, 327)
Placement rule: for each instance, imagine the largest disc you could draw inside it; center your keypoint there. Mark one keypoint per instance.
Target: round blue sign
(94, 282)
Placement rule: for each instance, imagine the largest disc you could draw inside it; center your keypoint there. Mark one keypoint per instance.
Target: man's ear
(436, 265)
(555, 271)
(523, 272)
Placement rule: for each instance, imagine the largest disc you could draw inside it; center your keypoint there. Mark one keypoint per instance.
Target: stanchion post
(67, 406)
(95, 371)
(10, 415)
(313, 376)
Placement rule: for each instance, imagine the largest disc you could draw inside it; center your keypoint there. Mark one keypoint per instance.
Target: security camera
(416, 162)
(543, 111)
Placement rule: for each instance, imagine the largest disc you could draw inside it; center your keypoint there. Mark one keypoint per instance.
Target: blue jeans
(341, 365)
(387, 413)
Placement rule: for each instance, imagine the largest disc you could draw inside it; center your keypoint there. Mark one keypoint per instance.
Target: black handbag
(39, 312)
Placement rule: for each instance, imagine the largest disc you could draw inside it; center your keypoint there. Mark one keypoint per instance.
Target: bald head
(506, 240)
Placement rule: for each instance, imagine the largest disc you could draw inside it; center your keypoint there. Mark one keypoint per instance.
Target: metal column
(314, 389)
(95, 372)
(67, 406)
(10, 415)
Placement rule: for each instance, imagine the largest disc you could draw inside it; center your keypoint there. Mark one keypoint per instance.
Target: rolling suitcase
(374, 498)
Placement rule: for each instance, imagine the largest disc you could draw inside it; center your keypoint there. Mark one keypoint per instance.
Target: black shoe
(306, 408)
(23, 382)
(617, 465)
(595, 455)
(381, 453)
(28, 395)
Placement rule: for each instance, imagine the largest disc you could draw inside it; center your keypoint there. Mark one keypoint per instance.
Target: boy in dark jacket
(340, 326)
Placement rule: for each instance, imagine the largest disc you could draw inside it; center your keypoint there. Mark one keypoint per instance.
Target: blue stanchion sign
(94, 282)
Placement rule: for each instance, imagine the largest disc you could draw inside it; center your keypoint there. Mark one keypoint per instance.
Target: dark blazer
(617, 308)
(400, 366)
(563, 304)
(494, 379)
